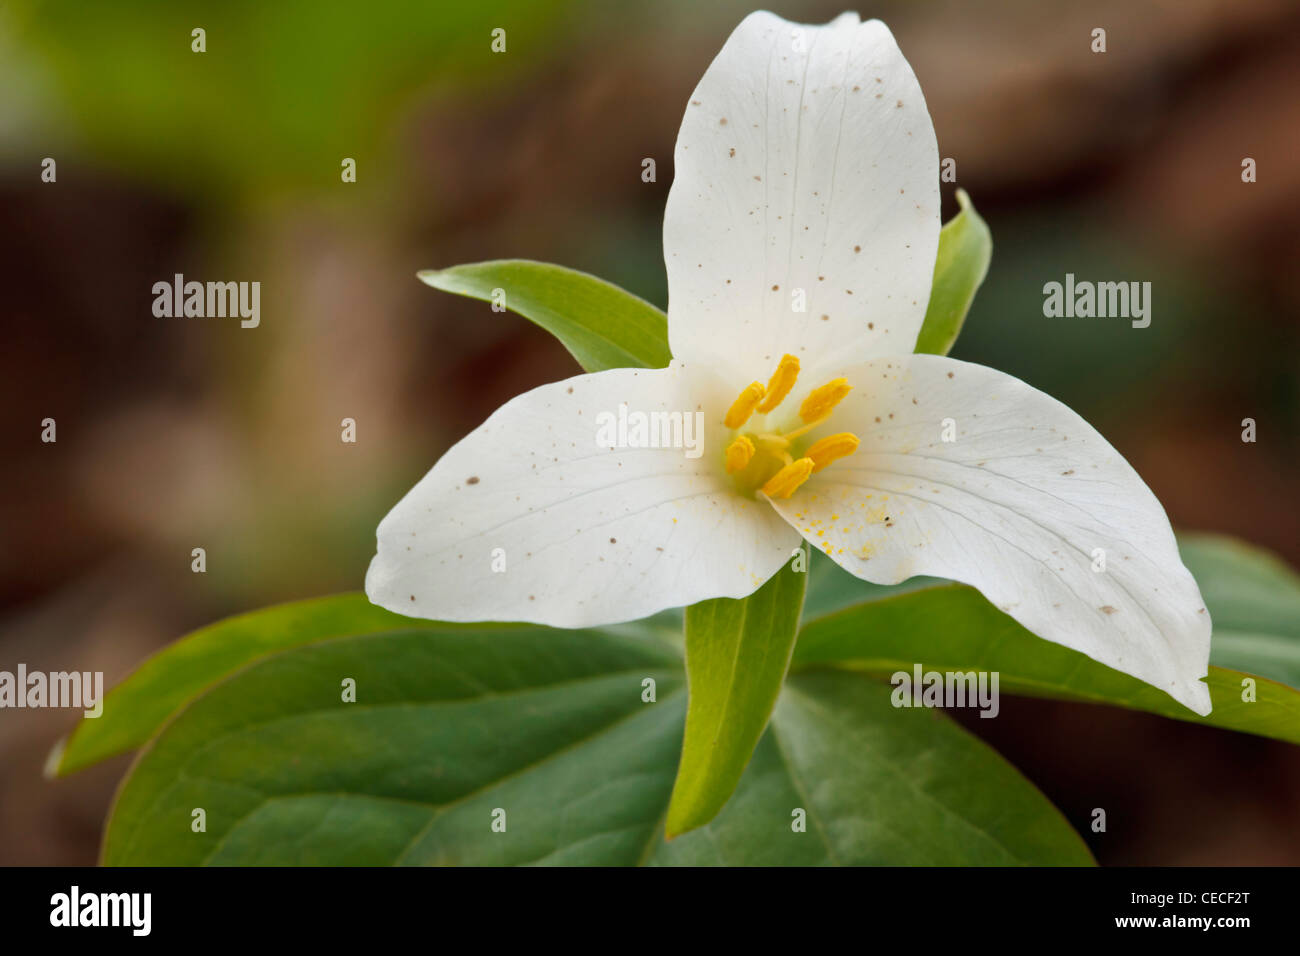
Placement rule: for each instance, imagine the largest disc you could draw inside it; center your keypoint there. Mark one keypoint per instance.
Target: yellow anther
(744, 405)
(739, 452)
(785, 481)
(779, 385)
(822, 399)
(832, 448)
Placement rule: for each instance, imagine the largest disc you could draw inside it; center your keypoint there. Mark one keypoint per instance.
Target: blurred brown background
(175, 434)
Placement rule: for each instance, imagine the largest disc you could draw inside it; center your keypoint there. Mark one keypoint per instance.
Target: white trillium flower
(806, 167)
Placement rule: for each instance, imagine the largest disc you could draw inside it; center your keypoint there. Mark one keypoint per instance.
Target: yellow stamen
(832, 448)
(785, 481)
(822, 399)
(774, 441)
(739, 453)
(779, 385)
(803, 429)
(744, 405)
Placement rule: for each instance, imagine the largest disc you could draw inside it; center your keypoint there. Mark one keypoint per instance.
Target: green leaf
(881, 786)
(551, 728)
(1254, 602)
(136, 708)
(737, 653)
(831, 588)
(965, 248)
(952, 627)
(600, 324)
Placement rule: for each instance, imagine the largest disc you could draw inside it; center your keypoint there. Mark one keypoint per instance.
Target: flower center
(772, 461)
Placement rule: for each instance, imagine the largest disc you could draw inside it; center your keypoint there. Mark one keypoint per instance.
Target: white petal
(589, 535)
(1016, 506)
(806, 161)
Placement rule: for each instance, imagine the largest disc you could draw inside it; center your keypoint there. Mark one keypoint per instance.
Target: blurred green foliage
(281, 83)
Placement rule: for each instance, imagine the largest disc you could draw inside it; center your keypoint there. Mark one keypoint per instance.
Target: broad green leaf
(140, 705)
(136, 708)
(965, 249)
(1254, 602)
(600, 324)
(737, 653)
(831, 588)
(880, 786)
(953, 628)
(551, 728)
(1252, 599)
